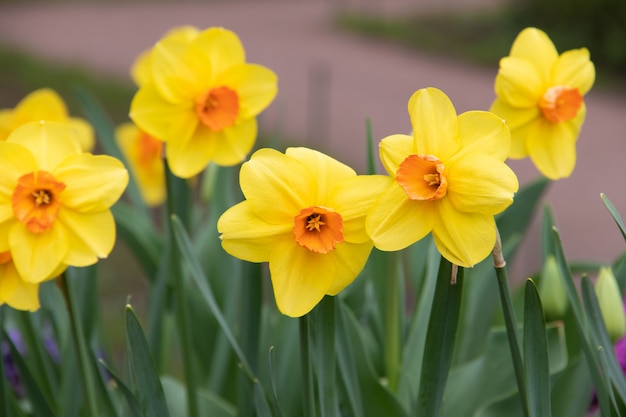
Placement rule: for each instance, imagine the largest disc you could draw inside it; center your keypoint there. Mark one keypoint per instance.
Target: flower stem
(327, 363)
(86, 370)
(510, 321)
(176, 192)
(308, 393)
(392, 322)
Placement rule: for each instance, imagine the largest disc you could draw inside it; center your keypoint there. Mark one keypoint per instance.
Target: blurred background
(341, 63)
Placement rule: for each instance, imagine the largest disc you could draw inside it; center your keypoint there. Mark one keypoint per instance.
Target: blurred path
(330, 82)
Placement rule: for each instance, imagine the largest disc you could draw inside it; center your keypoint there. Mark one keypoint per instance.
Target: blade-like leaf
(536, 354)
(150, 395)
(616, 216)
(130, 398)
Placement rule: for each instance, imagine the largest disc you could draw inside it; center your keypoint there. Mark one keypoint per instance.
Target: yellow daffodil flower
(540, 95)
(14, 291)
(144, 155)
(449, 178)
(45, 104)
(202, 99)
(304, 213)
(55, 200)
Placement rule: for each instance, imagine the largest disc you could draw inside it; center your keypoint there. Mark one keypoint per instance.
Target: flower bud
(552, 290)
(610, 301)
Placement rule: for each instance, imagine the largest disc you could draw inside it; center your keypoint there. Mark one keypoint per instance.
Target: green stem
(327, 368)
(510, 322)
(4, 389)
(175, 188)
(392, 322)
(308, 394)
(86, 370)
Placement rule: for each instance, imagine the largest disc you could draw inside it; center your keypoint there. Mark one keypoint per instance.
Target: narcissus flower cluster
(540, 94)
(54, 207)
(304, 213)
(199, 96)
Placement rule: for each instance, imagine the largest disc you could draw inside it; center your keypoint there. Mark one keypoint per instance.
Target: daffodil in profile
(304, 213)
(540, 94)
(45, 104)
(55, 200)
(14, 291)
(202, 98)
(144, 155)
(448, 178)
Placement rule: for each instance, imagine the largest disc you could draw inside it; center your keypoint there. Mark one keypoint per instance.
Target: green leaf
(442, 326)
(325, 365)
(130, 398)
(616, 216)
(4, 388)
(371, 160)
(536, 354)
(348, 369)
(571, 389)
(209, 404)
(146, 380)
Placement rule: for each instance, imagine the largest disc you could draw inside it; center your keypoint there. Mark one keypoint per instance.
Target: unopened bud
(610, 301)
(552, 290)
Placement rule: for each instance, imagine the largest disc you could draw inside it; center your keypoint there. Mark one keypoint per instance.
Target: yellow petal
(534, 46)
(6, 123)
(15, 292)
(246, 236)
(574, 69)
(141, 69)
(434, 122)
(161, 119)
(277, 186)
(42, 104)
(350, 259)
(234, 143)
(92, 182)
(552, 146)
(15, 161)
(481, 184)
(37, 255)
(84, 132)
(172, 77)
(256, 87)
(393, 151)
(483, 133)
(464, 239)
(49, 142)
(519, 121)
(89, 236)
(396, 222)
(353, 198)
(300, 278)
(518, 83)
(214, 51)
(324, 169)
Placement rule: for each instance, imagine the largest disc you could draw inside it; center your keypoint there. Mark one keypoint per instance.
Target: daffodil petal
(300, 278)
(84, 131)
(396, 222)
(6, 123)
(141, 69)
(42, 104)
(89, 236)
(49, 142)
(394, 150)
(482, 132)
(174, 80)
(325, 169)
(256, 87)
(552, 146)
(92, 182)
(16, 292)
(219, 48)
(235, 143)
(37, 255)
(534, 46)
(481, 184)
(270, 176)
(350, 259)
(464, 239)
(519, 83)
(434, 122)
(246, 236)
(15, 161)
(574, 69)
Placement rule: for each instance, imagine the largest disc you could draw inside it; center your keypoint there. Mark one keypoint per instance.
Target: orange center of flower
(318, 229)
(560, 104)
(5, 257)
(218, 108)
(422, 177)
(148, 149)
(36, 200)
